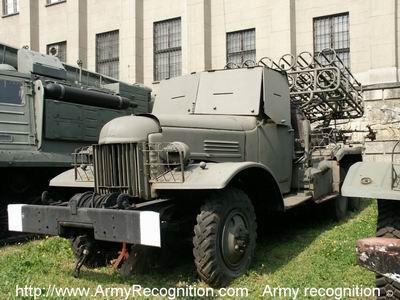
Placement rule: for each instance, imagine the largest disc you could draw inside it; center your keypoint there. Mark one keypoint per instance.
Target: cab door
(275, 148)
(15, 117)
(275, 133)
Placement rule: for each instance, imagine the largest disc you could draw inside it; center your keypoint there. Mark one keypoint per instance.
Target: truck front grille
(117, 169)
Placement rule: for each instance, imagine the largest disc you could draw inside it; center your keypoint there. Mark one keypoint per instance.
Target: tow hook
(81, 261)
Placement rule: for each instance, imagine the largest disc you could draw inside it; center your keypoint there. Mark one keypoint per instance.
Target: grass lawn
(301, 249)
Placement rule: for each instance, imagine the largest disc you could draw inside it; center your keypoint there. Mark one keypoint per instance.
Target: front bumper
(114, 225)
(380, 255)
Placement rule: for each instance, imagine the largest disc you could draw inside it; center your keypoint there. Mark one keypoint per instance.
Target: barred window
(59, 50)
(333, 32)
(241, 46)
(10, 7)
(107, 53)
(167, 49)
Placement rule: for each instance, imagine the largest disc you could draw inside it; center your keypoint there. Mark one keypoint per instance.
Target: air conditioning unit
(54, 50)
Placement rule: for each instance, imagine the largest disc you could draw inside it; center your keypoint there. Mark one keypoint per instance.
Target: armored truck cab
(219, 149)
(47, 111)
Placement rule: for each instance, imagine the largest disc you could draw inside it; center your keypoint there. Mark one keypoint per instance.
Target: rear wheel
(339, 207)
(225, 237)
(100, 253)
(388, 226)
(354, 204)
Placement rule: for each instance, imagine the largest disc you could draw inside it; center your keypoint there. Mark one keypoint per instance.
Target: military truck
(380, 180)
(221, 150)
(47, 110)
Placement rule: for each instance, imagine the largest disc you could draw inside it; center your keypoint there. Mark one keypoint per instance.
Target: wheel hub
(242, 240)
(235, 239)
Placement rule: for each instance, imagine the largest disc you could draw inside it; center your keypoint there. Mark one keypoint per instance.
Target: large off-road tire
(354, 204)
(144, 259)
(139, 261)
(224, 237)
(100, 253)
(388, 225)
(339, 207)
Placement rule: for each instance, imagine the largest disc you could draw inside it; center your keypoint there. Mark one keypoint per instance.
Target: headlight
(175, 153)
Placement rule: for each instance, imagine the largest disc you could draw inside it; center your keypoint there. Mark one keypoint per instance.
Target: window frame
(332, 35)
(48, 2)
(242, 52)
(4, 9)
(58, 44)
(22, 96)
(167, 50)
(108, 60)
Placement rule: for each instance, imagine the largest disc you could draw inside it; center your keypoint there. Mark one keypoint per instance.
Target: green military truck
(221, 150)
(47, 111)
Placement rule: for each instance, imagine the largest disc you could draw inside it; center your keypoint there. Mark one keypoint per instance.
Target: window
(49, 2)
(333, 32)
(107, 53)
(10, 7)
(241, 46)
(11, 91)
(59, 50)
(167, 49)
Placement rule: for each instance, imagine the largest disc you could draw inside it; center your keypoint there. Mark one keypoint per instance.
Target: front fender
(370, 180)
(84, 179)
(214, 176)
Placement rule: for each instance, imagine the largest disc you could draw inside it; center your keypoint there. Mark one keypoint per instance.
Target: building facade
(149, 40)
(146, 41)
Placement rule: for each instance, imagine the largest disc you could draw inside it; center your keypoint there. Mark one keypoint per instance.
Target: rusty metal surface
(381, 255)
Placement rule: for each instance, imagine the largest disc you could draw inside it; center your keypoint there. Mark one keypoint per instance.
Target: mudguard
(213, 176)
(370, 180)
(84, 178)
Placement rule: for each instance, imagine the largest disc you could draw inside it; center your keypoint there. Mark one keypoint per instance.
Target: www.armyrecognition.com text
(130, 292)
(319, 292)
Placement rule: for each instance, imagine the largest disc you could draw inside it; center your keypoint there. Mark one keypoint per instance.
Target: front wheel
(224, 237)
(100, 254)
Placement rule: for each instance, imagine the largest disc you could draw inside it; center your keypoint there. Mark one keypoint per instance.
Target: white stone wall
(382, 113)
(281, 26)
(153, 11)
(372, 34)
(15, 30)
(107, 16)
(61, 23)
(271, 20)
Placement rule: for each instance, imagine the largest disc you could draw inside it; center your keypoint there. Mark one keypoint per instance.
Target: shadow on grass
(284, 236)
(281, 237)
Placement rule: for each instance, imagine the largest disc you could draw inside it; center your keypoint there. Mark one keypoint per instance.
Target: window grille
(167, 49)
(241, 46)
(333, 32)
(107, 53)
